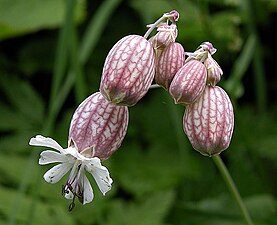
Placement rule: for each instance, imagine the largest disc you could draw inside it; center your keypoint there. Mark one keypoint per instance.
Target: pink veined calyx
(128, 71)
(209, 121)
(189, 82)
(168, 63)
(97, 130)
(129, 68)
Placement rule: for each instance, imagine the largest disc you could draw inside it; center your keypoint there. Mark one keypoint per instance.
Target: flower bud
(205, 50)
(98, 127)
(169, 62)
(128, 70)
(209, 121)
(214, 71)
(166, 35)
(173, 15)
(189, 82)
(207, 47)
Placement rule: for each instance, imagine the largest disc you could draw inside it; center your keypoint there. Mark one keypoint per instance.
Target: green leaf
(37, 56)
(224, 29)
(10, 119)
(263, 141)
(266, 147)
(44, 214)
(23, 98)
(222, 210)
(16, 142)
(262, 206)
(150, 211)
(214, 206)
(140, 172)
(10, 173)
(19, 17)
(240, 66)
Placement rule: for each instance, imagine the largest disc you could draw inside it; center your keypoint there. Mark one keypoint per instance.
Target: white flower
(77, 184)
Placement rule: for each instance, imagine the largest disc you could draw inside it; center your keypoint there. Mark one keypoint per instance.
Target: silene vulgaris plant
(133, 64)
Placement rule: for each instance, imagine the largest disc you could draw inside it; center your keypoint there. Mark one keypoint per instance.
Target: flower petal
(88, 192)
(49, 156)
(39, 140)
(56, 173)
(100, 174)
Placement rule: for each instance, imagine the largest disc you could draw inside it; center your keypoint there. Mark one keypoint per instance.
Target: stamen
(71, 205)
(63, 190)
(80, 195)
(73, 185)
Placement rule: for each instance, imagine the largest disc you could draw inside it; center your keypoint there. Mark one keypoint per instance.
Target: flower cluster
(209, 118)
(99, 124)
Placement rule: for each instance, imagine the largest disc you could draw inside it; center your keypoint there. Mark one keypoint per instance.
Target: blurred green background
(51, 58)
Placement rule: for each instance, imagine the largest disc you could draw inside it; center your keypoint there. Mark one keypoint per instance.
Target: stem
(173, 16)
(232, 188)
(153, 26)
(76, 68)
(240, 66)
(60, 64)
(96, 28)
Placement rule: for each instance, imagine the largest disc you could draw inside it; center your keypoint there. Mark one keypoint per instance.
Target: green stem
(60, 64)
(96, 28)
(232, 188)
(240, 66)
(76, 68)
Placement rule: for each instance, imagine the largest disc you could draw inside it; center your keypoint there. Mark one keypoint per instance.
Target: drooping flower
(98, 127)
(77, 184)
(204, 53)
(168, 63)
(213, 69)
(128, 70)
(201, 53)
(166, 34)
(96, 131)
(189, 82)
(209, 121)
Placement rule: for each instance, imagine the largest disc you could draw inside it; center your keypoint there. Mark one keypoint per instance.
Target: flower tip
(35, 140)
(31, 141)
(42, 141)
(106, 184)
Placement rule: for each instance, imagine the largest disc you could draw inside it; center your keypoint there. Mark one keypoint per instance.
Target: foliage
(23, 17)
(49, 64)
